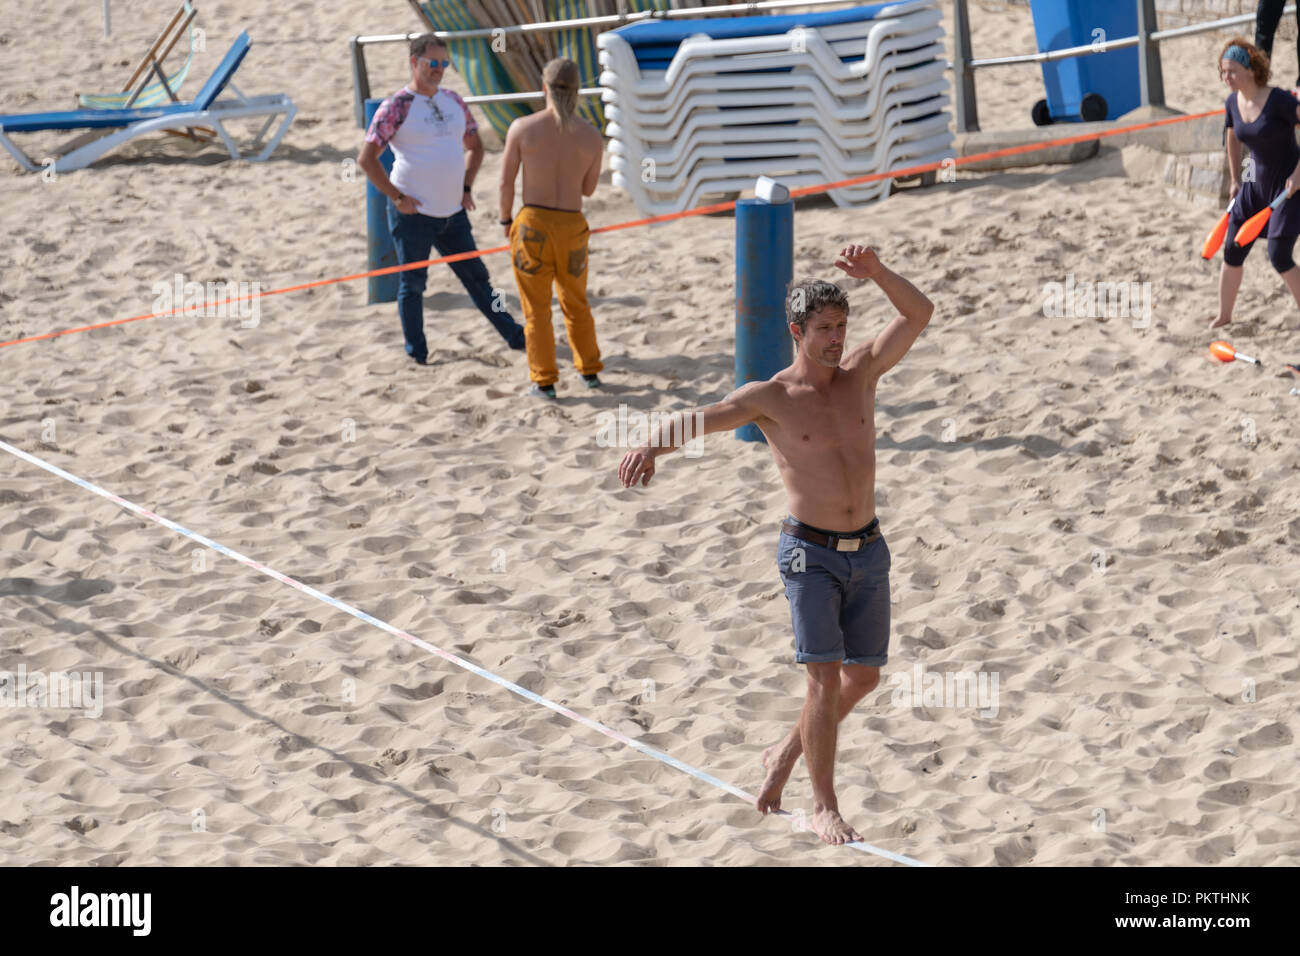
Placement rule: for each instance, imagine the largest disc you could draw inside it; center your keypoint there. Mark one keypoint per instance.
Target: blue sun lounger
(108, 129)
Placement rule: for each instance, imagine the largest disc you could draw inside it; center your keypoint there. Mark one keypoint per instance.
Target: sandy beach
(1094, 512)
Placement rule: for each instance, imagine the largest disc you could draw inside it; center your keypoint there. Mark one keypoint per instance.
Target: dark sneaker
(541, 391)
(593, 381)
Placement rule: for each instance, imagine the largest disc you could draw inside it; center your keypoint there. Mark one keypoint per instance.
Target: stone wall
(1199, 177)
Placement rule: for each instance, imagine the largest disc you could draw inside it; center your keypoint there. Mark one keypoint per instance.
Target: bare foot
(1219, 322)
(779, 761)
(830, 826)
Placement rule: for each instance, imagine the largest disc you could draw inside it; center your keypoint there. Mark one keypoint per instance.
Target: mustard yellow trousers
(549, 247)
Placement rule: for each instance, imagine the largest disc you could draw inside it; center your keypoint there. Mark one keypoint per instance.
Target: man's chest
(431, 123)
(844, 421)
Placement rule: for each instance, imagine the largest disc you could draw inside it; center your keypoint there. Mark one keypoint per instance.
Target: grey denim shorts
(839, 601)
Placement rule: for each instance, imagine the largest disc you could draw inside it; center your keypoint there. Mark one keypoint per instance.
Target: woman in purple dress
(1263, 119)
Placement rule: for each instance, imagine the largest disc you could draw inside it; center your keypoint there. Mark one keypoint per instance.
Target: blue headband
(1238, 55)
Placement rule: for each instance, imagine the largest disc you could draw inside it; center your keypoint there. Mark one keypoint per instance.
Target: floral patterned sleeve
(390, 115)
(471, 125)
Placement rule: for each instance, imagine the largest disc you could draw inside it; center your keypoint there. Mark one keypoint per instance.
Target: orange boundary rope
(666, 217)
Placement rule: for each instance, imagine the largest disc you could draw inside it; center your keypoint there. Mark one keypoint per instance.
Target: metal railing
(964, 64)
(361, 76)
(1150, 78)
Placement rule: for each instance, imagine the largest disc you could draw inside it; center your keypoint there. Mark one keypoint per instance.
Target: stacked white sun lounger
(702, 107)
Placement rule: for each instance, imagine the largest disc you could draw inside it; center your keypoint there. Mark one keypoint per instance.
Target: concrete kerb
(1199, 136)
(1186, 158)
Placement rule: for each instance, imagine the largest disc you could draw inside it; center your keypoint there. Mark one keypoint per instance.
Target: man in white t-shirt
(436, 155)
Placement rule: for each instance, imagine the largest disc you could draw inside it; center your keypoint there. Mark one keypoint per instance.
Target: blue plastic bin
(1088, 88)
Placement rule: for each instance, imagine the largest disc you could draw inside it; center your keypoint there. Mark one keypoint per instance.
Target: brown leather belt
(836, 542)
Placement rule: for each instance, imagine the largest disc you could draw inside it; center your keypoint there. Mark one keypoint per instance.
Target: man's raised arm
(914, 307)
(739, 408)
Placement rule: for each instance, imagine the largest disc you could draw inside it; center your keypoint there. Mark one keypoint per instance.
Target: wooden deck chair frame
(151, 64)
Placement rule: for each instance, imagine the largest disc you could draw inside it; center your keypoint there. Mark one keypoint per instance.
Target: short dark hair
(424, 41)
(812, 295)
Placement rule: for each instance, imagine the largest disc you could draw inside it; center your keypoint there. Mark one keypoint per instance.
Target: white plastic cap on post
(770, 191)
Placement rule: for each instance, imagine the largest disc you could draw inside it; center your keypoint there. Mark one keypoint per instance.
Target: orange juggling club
(1215, 239)
(1253, 226)
(1226, 353)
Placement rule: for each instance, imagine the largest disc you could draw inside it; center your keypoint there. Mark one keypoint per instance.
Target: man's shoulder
(589, 133)
(768, 399)
(524, 125)
(395, 108)
(766, 390)
(859, 357)
(389, 117)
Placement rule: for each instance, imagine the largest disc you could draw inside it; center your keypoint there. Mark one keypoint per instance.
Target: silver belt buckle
(848, 544)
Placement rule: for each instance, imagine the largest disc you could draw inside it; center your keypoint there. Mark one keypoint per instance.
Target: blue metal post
(379, 239)
(764, 268)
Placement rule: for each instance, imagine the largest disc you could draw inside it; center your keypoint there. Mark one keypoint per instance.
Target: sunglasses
(436, 64)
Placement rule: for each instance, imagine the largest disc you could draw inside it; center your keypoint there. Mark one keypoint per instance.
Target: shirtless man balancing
(560, 153)
(818, 416)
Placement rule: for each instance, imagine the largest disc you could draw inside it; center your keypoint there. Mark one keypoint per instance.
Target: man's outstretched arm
(739, 408)
(914, 308)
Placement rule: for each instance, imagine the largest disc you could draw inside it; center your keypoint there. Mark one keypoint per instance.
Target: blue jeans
(415, 236)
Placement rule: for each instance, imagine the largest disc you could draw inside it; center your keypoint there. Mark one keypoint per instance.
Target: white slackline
(424, 645)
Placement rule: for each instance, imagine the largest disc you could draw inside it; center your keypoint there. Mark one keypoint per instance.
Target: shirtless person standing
(818, 416)
(560, 153)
